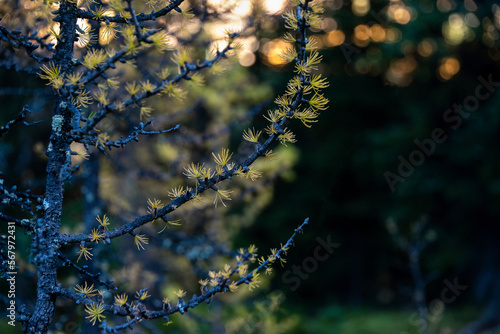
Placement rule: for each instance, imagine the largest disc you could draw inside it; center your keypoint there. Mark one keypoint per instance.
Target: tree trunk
(47, 233)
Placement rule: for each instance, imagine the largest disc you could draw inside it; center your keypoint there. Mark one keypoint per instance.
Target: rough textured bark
(47, 233)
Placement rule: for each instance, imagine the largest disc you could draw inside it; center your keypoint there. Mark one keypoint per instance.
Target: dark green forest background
(343, 160)
(389, 86)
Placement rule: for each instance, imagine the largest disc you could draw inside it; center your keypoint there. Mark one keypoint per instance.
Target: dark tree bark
(58, 153)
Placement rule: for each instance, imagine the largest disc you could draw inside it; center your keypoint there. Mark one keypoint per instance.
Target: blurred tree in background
(399, 70)
(411, 133)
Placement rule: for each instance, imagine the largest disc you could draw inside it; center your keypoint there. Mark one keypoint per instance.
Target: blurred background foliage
(395, 68)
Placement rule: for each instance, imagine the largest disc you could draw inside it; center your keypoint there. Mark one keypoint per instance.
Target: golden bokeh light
(243, 8)
(56, 29)
(328, 24)
(318, 41)
(222, 5)
(402, 15)
(83, 25)
(398, 12)
(399, 72)
(104, 38)
(360, 7)
(29, 5)
(377, 33)
(335, 38)
(361, 35)
(107, 32)
(249, 43)
(405, 65)
(455, 31)
(392, 35)
(246, 58)
(274, 6)
(218, 30)
(273, 49)
(79, 148)
(214, 45)
(173, 41)
(193, 26)
(449, 67)
(427, 47)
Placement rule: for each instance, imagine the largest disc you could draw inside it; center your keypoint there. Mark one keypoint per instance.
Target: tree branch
(84, 272)
(174, 5)
(121, 142)
(21, 41)
(20, 119)
(260, 151)
(184, 75)
(139, 310)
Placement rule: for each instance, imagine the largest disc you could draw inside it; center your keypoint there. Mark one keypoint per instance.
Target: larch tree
(110, 66)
